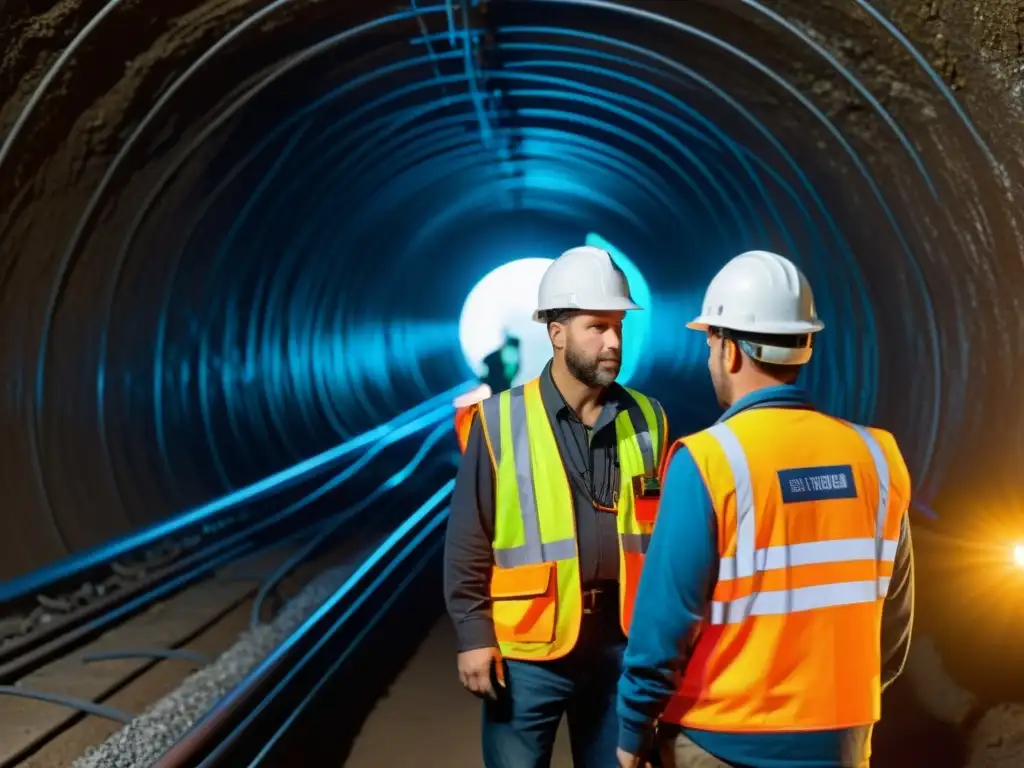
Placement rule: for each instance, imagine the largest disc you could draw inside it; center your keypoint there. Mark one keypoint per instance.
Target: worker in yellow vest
(777, 597)
(551, 513)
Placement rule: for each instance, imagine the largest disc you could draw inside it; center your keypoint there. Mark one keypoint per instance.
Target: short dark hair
(783, 372)
(559, 315)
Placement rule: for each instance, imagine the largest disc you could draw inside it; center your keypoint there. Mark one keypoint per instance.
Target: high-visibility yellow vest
(809, 510)
(535, 584)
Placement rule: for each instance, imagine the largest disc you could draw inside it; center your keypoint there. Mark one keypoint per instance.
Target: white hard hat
(762, 293)
(583, 278)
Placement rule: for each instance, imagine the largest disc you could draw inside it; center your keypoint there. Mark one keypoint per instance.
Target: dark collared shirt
(590, 456)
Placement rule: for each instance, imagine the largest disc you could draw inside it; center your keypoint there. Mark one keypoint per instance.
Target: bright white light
(503, 301)
(637, 325)
(473, 397)
(1018, 555)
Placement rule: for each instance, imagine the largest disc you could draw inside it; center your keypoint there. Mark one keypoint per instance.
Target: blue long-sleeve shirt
(679, 575)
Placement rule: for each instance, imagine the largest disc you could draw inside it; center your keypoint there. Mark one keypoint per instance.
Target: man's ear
(556, 333)
(733, 356)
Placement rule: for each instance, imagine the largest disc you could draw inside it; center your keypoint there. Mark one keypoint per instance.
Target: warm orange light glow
(1018, 555)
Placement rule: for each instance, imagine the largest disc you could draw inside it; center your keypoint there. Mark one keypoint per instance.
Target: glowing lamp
(1018, 555)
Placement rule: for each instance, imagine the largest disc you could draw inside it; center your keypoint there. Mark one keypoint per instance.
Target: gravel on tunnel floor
(142, 741)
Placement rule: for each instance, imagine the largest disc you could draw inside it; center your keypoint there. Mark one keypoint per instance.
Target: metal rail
(75, 569)
(156, 652)
(221, 546)
(98, 616)
(247, 724)
(21, 657)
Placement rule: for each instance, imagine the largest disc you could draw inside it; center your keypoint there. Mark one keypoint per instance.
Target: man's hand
(475, 671)
(627, 760)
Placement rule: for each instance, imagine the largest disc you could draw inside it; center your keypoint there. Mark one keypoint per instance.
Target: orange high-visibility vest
(463, 421)
(535, 583)
(809, 510)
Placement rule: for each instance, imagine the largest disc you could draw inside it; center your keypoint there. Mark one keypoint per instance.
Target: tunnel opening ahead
(499, 308)
(235, 234)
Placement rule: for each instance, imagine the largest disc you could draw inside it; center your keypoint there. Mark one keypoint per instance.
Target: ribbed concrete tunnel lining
(235, 233)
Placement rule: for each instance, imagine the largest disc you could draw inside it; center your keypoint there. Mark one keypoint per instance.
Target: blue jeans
(519, 729)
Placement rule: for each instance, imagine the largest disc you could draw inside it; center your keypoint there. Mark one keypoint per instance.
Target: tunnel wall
(255, 281)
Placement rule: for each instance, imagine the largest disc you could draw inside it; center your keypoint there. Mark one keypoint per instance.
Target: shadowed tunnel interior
(236, 233)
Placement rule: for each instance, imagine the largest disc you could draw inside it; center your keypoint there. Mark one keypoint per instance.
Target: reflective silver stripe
(524, 477)
(492, 416)
(643, 437)
(564, 549)
(744, 563)
(661, 420)
(659, 416)
(811, 553)
(795, 600)
(881, 512)
(635, 543)
(749, 560)
(532, 551)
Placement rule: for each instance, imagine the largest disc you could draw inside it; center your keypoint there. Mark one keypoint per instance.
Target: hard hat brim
(794, 328)
(609, 305)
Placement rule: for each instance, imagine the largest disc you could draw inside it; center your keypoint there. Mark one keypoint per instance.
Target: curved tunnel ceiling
(234, 233)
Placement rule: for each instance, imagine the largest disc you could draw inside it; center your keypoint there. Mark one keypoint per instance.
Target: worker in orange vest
(500, 369)
(777, 597)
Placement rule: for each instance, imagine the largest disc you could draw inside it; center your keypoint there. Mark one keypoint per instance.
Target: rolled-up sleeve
(671, 601)
(468, 557)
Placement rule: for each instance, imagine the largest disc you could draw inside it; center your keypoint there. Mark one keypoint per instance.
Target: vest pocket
(645, 510)
(524, 602)
(646, 497)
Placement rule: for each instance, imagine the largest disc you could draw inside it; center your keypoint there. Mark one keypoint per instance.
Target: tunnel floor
(425, 718)
(440, 722)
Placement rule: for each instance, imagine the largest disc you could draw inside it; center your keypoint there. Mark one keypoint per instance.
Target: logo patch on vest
(817, 484)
